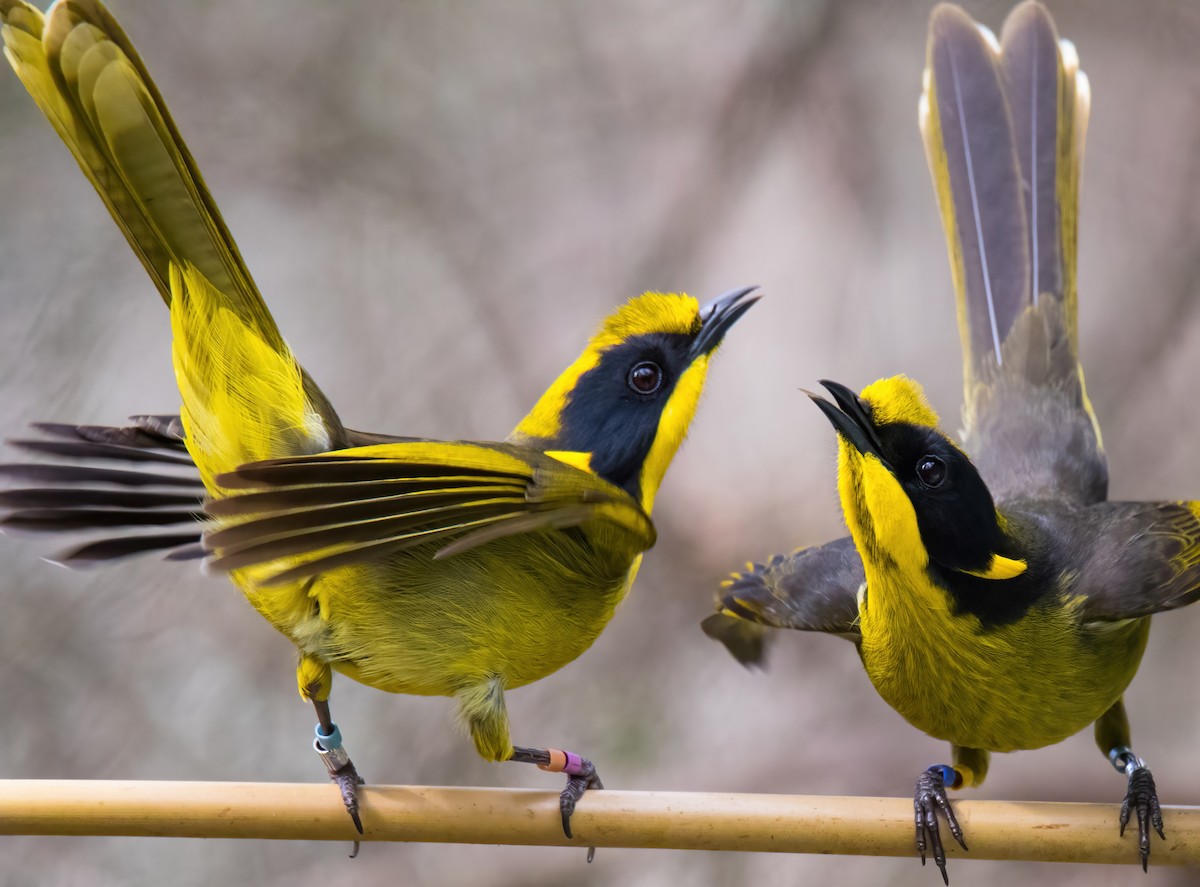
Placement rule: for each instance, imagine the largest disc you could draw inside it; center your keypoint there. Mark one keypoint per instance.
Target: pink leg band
(563, 762)
(574, 764)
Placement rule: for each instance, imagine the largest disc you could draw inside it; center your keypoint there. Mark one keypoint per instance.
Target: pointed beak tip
(849, 417)
(719, 315)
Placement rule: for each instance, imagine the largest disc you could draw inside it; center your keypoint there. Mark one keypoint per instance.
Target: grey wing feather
(1127, 560)
(814, 589)
(306, 515)
(138, 505)
(71, 495)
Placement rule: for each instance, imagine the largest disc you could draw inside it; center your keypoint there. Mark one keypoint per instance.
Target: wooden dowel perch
(675, 820)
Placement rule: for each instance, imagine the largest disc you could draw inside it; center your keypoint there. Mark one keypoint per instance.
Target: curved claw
(928, 799)
(348, 781)
(1142, 796)
(577, 784)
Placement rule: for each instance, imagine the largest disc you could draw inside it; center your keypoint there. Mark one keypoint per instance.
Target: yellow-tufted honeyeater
(997, 600)
(415, 566)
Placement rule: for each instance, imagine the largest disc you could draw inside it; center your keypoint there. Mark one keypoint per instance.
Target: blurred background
(440, 201)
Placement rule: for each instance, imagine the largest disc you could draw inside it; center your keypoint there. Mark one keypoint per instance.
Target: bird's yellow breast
(1023, 685)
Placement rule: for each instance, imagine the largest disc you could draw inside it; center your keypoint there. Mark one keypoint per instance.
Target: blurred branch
(668, 820)
(766, 91)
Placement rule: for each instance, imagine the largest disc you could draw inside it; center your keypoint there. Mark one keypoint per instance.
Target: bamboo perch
(675, 820)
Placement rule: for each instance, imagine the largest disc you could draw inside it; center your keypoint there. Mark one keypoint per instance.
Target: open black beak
(718, 316)
(853, 421)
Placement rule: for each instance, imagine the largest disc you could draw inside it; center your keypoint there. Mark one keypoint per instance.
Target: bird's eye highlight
(645, 377)
(931, 471)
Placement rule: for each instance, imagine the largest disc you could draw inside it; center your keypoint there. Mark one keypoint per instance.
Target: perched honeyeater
(429, 567)
(997, 599)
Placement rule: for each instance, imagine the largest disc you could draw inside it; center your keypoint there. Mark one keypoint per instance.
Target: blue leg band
(949, 775)
(329, 741)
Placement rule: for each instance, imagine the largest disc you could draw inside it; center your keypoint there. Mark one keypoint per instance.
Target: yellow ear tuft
(1000, 568)
(899, 399)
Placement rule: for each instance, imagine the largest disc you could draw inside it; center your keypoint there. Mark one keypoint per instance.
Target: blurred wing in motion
(156, 488)
(133, 508)
(815, 589)
(305, 515)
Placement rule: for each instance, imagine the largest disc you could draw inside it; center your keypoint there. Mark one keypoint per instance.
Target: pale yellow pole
(674, 820)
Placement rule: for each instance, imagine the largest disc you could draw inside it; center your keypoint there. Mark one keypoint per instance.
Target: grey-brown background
(439, 202)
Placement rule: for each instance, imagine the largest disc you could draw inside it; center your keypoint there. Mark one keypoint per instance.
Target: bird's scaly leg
(969, 769)
(315, 679)
(1141, 795)
(481, 707)
(581, 776)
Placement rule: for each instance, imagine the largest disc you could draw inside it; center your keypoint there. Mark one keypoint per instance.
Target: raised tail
(83, 72)
(85, 75)
(1003, 123)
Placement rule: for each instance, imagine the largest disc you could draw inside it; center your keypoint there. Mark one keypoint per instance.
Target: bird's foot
(341, 770)
(929, 798)
(1142, 798)
(581, 776)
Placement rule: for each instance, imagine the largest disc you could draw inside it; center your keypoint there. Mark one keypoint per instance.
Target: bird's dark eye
(645, 377)
(931, 471)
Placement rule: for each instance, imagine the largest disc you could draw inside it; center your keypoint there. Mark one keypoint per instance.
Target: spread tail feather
(82, 70)
(1003, 124)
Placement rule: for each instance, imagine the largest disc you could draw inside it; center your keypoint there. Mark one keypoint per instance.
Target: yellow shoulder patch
(582, 461)
(899, 399)
(1000, 568)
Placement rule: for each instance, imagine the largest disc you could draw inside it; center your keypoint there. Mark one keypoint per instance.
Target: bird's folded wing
(1142, 558)
(308, 514)
(814, 589)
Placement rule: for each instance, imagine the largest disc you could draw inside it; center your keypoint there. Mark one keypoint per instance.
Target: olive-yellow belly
(1020, 686)
(516, 609)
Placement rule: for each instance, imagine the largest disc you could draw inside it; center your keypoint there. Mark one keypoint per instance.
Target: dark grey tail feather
(72, 520)
(49, 473)
(87, 449)
(71, 499)
(59, 497)
(179, 547)
(1029, 62)
(983, 174)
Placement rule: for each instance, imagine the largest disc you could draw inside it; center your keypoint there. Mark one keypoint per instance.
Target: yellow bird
(997, 600)
(416, 566)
